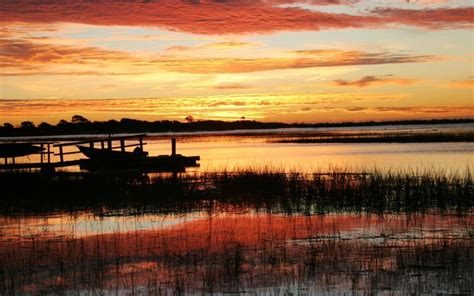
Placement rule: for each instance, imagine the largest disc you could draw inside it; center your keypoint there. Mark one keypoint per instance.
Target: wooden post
(91, 144)
(61, 156)
(122, 145)
(49, 153)
(41, 153)
(102, 144)
(140, 140)
(13, 160)
(109, 144)
(173, 146)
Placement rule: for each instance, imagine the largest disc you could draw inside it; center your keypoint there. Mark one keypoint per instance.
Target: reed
(264, 189)
(381, 137)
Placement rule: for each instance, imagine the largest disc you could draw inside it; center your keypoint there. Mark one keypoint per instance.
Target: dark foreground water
(238, 252)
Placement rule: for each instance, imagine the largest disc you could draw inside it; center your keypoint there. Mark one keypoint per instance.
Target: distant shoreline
(390, 138)
(125, 126)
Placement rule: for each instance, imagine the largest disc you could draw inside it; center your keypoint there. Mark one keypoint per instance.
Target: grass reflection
(253, 253)
(251, 231)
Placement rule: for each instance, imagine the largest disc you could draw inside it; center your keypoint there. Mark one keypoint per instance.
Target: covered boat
(18, 149)
(96, 154)
(106, 159)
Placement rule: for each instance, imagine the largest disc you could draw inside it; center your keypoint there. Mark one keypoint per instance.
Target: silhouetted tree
(44, 125)
(79, 119)
(27, 124)
(8, 125)
(62, 122)
(189, 119)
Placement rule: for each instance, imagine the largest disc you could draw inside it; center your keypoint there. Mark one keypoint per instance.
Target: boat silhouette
(18, 149)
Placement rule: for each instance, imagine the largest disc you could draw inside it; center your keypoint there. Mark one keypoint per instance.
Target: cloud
(213, 46)
(419, 110)
(231, 45)
(203, 17)
(468, 83)
(298, 60)
(282, 107)
(24, 54)
(368, 81)
(67, 73)
(229, 86)
(219, 17)
(435, 19)
(31, 58)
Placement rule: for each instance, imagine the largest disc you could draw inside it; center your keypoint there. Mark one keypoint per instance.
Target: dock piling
(42, 153)
(49, 153)
(173, 146)
(61, 156)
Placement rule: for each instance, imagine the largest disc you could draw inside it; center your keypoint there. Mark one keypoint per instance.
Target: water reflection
(251, 252)
(258, 149)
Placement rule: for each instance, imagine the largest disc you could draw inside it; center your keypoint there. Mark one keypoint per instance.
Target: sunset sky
(265, 60)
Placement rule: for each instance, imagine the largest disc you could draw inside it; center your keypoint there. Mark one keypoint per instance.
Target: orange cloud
(468, 83)
(438, 18)
(300, 59)
(415, 110)
(230, 45)
(368, 81)
(25, 54)
(225, 86)
(31, 57)
(225, 16)
(217, 45)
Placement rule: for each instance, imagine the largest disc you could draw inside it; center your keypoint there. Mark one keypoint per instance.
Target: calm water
(240, 249)
(257, 149)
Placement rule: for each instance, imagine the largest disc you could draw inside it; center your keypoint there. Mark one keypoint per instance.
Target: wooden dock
(114, 144)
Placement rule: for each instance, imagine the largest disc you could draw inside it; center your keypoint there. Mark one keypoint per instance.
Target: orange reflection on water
(231, 251)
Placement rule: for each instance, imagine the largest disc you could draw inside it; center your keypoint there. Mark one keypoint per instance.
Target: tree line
(81, 125)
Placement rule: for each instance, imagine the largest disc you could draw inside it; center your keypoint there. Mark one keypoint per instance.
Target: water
(258, 149)
(246, 252)
(249, 244)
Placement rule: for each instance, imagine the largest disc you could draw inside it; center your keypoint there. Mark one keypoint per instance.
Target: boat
(105, 159)
(97, 154)
(18, 149)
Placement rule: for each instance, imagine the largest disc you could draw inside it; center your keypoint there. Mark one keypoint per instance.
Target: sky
(264, 60)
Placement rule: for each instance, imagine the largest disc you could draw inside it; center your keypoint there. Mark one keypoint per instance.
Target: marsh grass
(381, 137)
(266, 189)
(225, 254)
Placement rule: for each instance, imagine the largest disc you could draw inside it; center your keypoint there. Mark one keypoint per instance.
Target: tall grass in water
(265, 251)
(380, 137)
(265, 189)
(341, 190)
